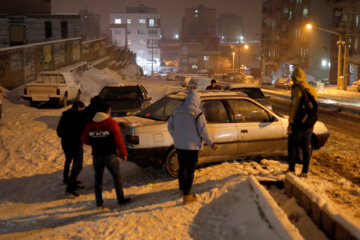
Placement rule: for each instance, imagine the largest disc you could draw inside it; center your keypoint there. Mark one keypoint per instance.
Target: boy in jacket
(187, 126)
(103, 134)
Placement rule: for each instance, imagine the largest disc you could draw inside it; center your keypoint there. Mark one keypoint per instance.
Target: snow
(33, 205)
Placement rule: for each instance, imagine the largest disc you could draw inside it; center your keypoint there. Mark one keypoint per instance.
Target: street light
(246, 46)
(233, 53)
(340, 78)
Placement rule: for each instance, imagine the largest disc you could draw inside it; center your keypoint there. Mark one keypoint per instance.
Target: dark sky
(171, 11)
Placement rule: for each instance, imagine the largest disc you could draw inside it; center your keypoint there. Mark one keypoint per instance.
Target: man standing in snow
(69, 129)
(187, 126)
(299, 135)
(104, 136)
(213, 86)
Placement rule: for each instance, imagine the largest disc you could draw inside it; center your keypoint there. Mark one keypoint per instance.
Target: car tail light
(25, 91)
(132, 139)
(57, 91)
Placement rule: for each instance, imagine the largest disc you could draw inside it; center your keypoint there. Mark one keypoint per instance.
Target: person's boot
(189, 199)
(124, 200)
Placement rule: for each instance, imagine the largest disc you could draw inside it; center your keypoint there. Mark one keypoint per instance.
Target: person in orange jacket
(104, 136)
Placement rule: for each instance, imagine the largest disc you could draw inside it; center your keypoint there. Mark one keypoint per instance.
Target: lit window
(142, 21)
(357, 21)
(206, 58)
(128, 21)
(151, 22)
(129, 42)
(196, 11)
(196, 15)
(305, 11)
(117, 20)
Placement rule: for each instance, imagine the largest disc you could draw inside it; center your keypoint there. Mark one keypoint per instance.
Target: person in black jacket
(71, 125)
(213, 86)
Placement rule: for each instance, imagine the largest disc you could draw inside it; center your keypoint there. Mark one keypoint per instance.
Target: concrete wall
(94, 49)
(19, 65)
(4, 31)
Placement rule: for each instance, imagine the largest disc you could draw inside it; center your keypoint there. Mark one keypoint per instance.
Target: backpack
(307, 113)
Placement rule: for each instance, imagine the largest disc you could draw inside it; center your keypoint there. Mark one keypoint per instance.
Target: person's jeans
(300, 139)
(187, 165)
(112, 163)
(73, 153)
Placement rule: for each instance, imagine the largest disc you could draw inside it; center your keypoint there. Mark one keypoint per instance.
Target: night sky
(171, 11)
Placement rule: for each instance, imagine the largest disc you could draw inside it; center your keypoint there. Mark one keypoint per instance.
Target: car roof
(209, 93)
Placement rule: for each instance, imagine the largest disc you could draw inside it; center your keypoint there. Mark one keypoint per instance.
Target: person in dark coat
(299, 137)
(213, 86)
(69, 129)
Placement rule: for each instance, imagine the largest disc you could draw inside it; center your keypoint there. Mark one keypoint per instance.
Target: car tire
(171, 163)
(64, 102)
(33, 103)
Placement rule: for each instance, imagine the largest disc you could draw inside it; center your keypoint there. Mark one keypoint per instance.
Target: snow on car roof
(243, 85)
(209, 93)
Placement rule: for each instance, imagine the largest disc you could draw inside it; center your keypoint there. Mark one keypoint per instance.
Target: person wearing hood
(104, 136)
(187, 126)
(298, 136)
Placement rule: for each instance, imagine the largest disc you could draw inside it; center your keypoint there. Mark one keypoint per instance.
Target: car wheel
(171, 164)
(33, 103)
(64, 102)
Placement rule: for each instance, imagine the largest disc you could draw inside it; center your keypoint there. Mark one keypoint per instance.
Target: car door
(260, 132)
(223, 132)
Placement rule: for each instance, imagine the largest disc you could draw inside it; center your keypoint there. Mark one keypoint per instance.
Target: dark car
(125, 100)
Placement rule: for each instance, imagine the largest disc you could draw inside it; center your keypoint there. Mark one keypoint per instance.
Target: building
(346, 21)
(170, 52)
(90, 24)
(287, 44)
(31, 21)
(139, 30)
(199, 43)
(229, 28)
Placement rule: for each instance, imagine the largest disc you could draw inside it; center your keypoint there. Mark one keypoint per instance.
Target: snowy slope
(33, 205)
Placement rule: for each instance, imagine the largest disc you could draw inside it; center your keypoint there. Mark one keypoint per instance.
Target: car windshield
(120, 93)
(161, 110)
(251, 92)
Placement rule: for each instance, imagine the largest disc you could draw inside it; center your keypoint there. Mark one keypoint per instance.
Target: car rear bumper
(145, 157)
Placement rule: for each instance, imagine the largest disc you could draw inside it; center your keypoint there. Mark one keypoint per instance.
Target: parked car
(239, 125)
(184, 80)
(284, 83)
(252, 91)
(56, 87)
(356, 85)
(125, 100)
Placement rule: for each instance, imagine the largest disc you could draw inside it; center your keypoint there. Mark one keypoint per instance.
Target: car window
(161, 109)
(120, 93)
(247, 111)
(251, 92)
(215, 111)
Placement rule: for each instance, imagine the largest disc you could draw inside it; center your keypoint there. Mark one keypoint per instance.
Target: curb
(273, 214)
(329, 218)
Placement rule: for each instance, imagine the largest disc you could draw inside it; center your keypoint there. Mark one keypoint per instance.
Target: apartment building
(199, 42)
(139, 30)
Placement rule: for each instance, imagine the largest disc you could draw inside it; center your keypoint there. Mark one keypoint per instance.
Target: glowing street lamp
(233, 53)
(340, 42)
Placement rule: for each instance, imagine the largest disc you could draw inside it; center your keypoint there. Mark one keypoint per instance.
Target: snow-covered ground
(33, 205)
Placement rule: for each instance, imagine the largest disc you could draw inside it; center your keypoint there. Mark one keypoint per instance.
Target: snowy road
(33, 206)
